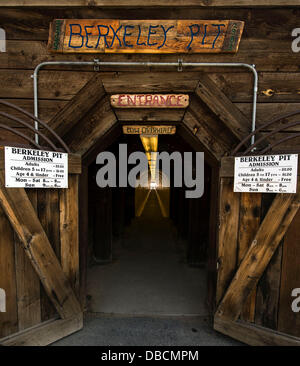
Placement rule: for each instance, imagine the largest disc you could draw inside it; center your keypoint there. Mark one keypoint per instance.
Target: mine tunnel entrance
(148, 247)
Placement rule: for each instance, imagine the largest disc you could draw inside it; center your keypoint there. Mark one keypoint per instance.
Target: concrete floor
(146, 331)
(148, 296)
(149, 275)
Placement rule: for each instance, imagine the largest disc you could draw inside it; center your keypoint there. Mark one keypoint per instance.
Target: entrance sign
(29, 168)
(149, 130)
(144, 36)
(266, 173)
(149, 100)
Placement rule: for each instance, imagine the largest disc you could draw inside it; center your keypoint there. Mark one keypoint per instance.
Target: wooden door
(39, 264)
(258, 263)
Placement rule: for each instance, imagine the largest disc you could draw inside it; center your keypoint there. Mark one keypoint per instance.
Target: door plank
(69, 236)
(27, 226)
(228, 234)
(28, 282)
(249, 224)
(254, 335)
(267, 239)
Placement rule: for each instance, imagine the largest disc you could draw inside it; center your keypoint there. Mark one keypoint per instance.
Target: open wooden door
(258, 263)
(39, 261)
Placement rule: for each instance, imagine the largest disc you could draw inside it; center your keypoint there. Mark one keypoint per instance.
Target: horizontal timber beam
(152, 3)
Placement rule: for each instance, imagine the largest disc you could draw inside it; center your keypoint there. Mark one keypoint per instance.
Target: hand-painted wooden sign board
(149, 130)
(149, 100)
(144, 36)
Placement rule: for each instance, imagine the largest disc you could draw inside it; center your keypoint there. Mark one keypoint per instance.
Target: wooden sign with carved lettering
(149, 130)
(144, 36)
(149, 100)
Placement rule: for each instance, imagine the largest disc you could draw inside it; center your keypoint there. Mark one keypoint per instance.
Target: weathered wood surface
(69, 232)
(249, 221)
(153, 3)
(267, 239)
(222, 107)
(149, 115)
(237, 86)
(8, 319)
(214, 136)
(36, 245)
(149, 130)
(254, 335)
(78, 106)
(144, 36)
(48, 214)
(228, 234)
(268, 287)
(98, 121)
(149, 100)
(28, 283)
(289, 321)
(45, 333)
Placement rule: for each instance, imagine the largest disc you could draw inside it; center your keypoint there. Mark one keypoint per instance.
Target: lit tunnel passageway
(147, 250)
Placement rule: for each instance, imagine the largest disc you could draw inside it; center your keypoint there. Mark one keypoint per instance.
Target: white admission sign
(266, 173)
(29, 168)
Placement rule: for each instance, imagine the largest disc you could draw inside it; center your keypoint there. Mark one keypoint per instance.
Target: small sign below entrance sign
(29, 168)
(266, 173)
(149, 130)
(149, 100)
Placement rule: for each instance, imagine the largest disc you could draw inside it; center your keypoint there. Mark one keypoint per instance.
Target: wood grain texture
(48, 213)
(91, 93)
(227, 237)
(253, 335)
(222, 107)
(98, 121)
(8, 319)
(27, 226)
(289, 321)
(268, 287)
(69, 232)
(267, 239)
(152, 3)
(144, 36)
(28, 282)
(249, 222)
(45, 333)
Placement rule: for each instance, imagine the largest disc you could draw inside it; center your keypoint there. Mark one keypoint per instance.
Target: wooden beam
(27, 226)
(69, 232)
(96, 123)
(222, 107)
(45, 333)
(152, 3)
(207, 129)
(266, 241)
(254, 335)
(78, 106)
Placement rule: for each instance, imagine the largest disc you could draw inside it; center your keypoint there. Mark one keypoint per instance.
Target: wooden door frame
(60, 279)
(234, 292)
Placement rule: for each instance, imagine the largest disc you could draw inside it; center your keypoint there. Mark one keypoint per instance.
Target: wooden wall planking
(249, 222)
(8, 319)
(28, 283)
(48, 212)
(289, 321)
(228, 234)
